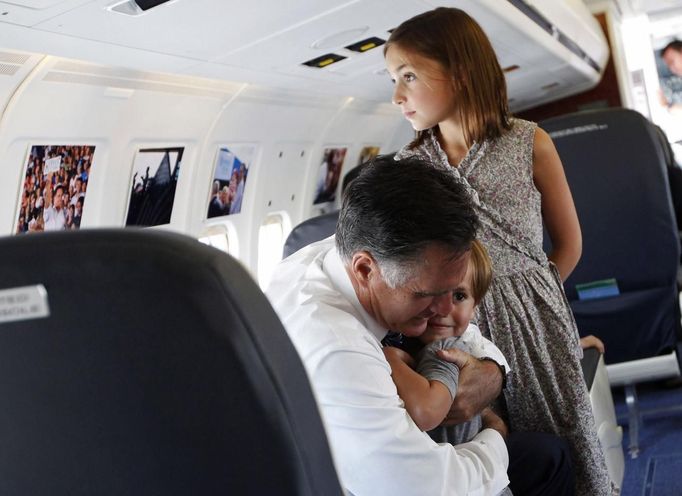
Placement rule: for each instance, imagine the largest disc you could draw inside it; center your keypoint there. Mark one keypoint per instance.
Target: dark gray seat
(309, 231)
(616, 168)
(161, 370)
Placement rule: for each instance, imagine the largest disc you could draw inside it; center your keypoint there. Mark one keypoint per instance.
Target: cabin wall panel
(46, 112)
(275, 127)
(357, 127)
(61, 102)
(14, 68)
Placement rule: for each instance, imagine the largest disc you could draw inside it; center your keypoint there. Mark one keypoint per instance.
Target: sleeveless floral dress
(525, 312)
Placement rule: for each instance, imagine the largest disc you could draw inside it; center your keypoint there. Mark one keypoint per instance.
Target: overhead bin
(557, 48)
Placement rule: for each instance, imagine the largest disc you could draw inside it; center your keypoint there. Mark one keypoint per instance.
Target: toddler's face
(458, 320)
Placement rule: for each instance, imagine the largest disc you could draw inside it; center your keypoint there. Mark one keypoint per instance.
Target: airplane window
(270, 244)
(217, 238)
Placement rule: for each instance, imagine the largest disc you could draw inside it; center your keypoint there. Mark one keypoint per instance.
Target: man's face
(57, 200)
(673, 59)
(429, 293)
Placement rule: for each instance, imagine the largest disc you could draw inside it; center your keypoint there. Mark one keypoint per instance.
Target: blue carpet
(657, 471)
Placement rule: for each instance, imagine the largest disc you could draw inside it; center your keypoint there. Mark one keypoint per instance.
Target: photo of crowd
(229, 180)
(153, 184)
(54, 189)
(328, 175)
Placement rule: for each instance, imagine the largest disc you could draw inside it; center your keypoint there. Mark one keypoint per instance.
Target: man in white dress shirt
(54, 215)
(401, 248)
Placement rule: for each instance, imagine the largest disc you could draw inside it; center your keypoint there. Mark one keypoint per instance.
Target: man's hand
(480, 382)
(491, 420)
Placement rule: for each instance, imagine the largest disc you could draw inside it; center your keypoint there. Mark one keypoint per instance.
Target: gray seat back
(161, 370)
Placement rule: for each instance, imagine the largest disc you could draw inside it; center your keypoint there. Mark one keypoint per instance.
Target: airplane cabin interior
(235, 124)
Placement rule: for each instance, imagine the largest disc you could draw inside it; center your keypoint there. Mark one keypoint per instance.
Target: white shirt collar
(336, 271)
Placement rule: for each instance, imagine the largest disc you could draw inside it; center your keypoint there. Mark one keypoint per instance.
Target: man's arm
(426, 401)
(48, 191)
(378, 449)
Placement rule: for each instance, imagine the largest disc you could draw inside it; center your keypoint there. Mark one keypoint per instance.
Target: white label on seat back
(23, 303)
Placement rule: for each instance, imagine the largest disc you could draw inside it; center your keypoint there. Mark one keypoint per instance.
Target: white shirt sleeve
(482, 347)
(379, 449)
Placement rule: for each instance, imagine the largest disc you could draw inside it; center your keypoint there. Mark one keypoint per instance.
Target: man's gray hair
(395, 209)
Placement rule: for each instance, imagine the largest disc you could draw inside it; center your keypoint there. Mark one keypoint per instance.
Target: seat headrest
(309, 231)
(161, 369)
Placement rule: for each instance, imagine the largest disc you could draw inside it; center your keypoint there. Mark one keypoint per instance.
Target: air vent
(14, 58)
(8, 69)
(135, 7)
(149, 4)
(324, 60)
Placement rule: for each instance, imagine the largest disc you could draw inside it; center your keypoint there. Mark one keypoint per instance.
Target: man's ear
(363, 267)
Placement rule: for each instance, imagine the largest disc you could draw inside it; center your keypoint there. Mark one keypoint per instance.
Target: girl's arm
(558, 210)
(426, 401)
(592, 342)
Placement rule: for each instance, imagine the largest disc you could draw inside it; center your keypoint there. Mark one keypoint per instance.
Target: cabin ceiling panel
(32, 12)
(209, 29)
(266, 44)
(331, 32)
(35, 4)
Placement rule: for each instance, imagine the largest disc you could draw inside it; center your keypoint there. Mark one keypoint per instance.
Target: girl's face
(422, 89)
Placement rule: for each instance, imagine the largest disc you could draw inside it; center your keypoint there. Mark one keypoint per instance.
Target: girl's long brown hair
(452, 38)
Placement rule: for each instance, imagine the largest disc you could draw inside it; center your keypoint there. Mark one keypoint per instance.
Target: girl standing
(449, 85)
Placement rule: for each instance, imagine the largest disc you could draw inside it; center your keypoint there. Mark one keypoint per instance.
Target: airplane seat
(309, 231)
(143, 362)
(610, 435)
(623, 289)
(675, 184)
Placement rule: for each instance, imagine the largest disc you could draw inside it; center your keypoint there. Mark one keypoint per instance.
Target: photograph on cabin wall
(230, 172)
(328, 175)
(366, 154)
(55, 184)
(669, 69)
(152, 186)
